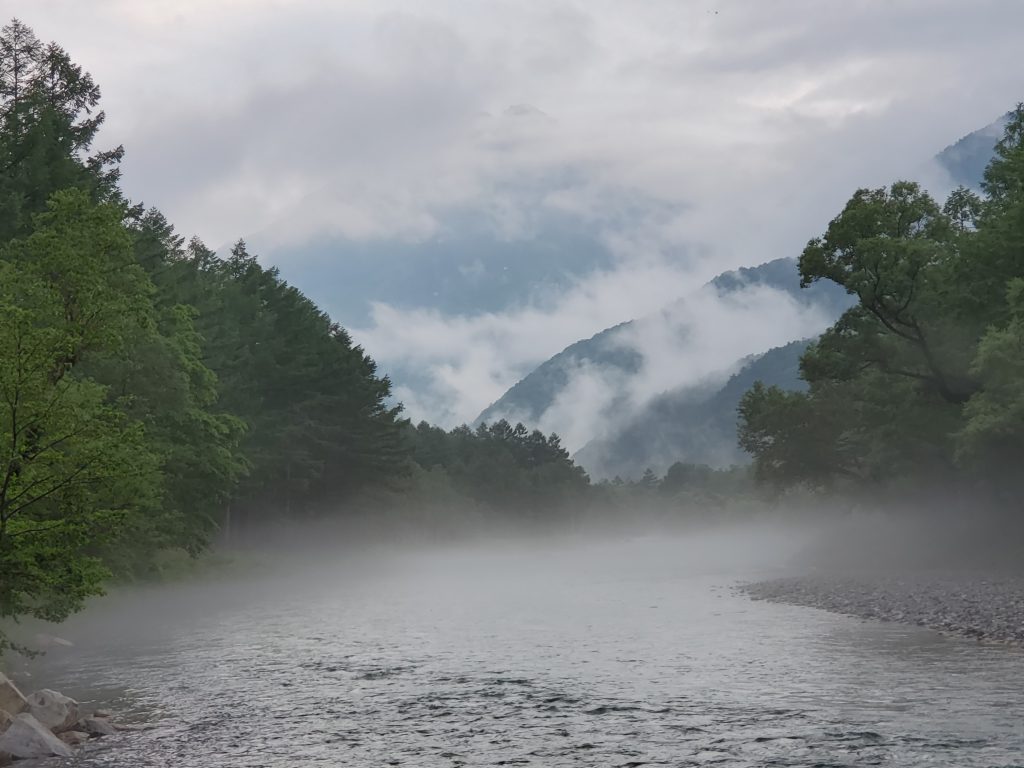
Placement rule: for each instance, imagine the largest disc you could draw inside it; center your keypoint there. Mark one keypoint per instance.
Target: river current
(627, 653)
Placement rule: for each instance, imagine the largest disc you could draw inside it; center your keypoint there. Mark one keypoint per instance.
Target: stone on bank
(74, 738)
(11, 700)
(54, 710)
(49, 726)
(27, 737)
(97, 726)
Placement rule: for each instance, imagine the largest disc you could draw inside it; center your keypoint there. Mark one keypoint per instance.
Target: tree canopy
(921, 379)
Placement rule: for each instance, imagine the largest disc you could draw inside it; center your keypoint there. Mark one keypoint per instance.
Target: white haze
(471, 361)
(697, 341)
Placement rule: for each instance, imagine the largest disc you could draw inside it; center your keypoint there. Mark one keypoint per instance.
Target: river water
(626, 653)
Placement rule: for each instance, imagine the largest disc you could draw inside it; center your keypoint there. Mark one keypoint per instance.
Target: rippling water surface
(626, 654)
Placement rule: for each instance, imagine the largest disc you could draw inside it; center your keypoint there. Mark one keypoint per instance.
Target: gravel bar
(987, 607)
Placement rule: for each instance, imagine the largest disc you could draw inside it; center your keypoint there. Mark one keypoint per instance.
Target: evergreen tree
(49, 119)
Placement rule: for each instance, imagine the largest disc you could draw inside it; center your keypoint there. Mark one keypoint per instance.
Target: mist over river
(603, 653)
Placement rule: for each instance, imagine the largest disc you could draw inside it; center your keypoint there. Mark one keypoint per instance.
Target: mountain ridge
(531, 396)
(657, 435)
(965, 159)
(684, 426)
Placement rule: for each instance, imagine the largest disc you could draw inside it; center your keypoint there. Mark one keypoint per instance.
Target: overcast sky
(730, 131)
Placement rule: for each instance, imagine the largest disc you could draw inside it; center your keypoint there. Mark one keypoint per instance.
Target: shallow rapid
(622, 653)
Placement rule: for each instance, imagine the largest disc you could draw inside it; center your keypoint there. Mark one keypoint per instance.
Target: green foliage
(504, 468)
(304, 423)
(922, 379)
(74, 467)
(992, 437)
(48, 121)
(786, 435)
(893, 250)
(319, 428)
(700, 480)
(687, 494)
(1004, 176)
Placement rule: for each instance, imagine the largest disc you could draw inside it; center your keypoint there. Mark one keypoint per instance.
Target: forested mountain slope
(614, 349)
(966, 159)
(691, 425)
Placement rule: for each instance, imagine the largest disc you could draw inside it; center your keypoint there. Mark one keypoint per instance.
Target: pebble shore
(986, 607)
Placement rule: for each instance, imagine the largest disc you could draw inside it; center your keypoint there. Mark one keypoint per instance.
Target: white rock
(54, 710)
(97, 726)
(11, 699)
(27, 737)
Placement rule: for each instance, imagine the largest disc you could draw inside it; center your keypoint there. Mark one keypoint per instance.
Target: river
(617, 653)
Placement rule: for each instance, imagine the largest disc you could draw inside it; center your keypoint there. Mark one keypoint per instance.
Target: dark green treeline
(918, 390)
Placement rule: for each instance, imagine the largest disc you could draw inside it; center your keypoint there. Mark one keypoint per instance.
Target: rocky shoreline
(46, 724)
(987, 607)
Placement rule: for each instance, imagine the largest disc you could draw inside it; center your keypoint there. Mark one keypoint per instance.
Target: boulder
(97, 726)
(11, 699)
(54, 710)
(27, 737)
(74, 738)
(5, 720)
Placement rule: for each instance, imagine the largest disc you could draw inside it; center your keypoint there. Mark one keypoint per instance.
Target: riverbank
(988, 607)
(46, 724)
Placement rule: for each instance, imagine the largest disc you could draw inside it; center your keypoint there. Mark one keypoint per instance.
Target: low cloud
(463, 364)
(696, 342)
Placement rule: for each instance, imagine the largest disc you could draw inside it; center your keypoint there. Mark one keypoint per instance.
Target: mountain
(613, 350)
(530, 397)
(697, 422)
(965, 161)
(691, 425)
